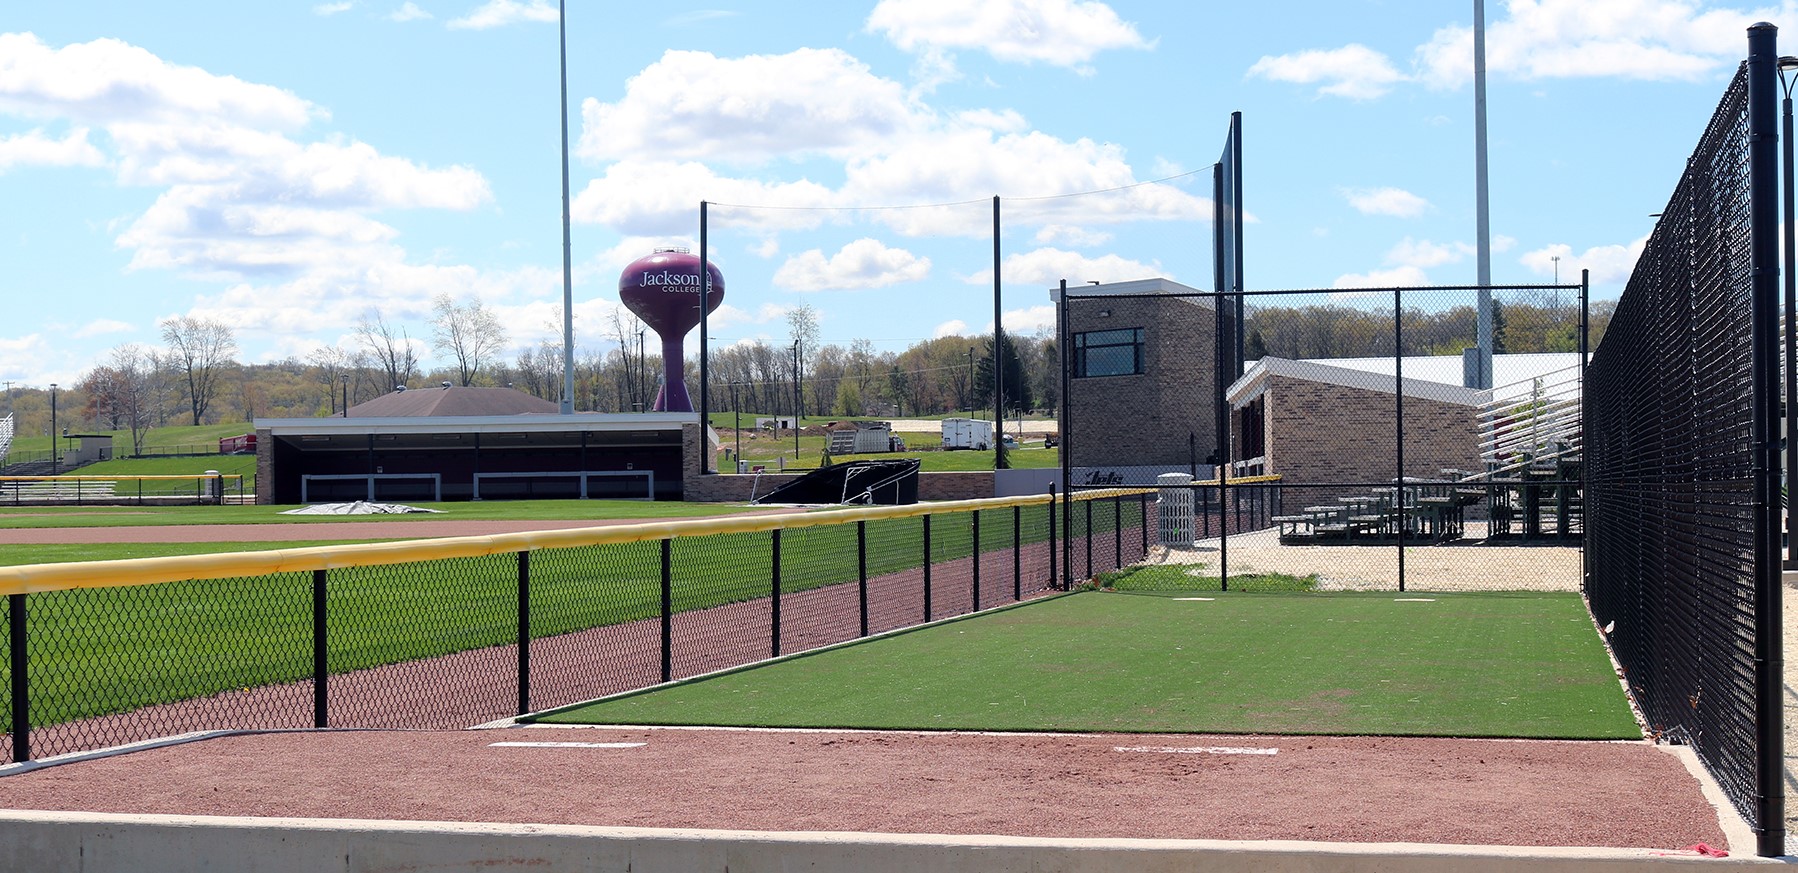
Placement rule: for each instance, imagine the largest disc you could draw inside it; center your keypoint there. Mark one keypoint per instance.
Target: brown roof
(423, 402)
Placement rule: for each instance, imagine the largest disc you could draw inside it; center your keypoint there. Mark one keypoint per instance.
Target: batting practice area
(1567, 659)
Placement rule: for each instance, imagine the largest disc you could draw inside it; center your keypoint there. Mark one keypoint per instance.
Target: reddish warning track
(1490, 792)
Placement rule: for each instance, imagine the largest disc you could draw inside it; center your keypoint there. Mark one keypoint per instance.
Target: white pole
(1482, 202)
(567, 246)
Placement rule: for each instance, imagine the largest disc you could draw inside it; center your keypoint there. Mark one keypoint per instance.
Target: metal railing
(454, 632)
(199, 488)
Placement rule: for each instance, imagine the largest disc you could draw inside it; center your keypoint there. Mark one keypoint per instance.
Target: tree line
(194, 377)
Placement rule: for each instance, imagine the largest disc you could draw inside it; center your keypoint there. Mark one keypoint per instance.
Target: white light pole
(1482, 204)
(567, 245)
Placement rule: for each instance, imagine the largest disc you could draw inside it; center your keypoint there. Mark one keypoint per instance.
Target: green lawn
(19, 554)
(1473, 665)
(116, 649)
(528, 510)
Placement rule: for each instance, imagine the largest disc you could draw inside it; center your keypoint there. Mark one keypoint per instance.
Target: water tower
(664, 291)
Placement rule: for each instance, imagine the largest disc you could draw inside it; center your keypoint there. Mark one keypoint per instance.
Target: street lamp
(1786, 65)
(346, 394)
(52, 428)
(642, 391)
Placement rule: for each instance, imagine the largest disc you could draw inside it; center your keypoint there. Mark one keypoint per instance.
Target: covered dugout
(474, 444)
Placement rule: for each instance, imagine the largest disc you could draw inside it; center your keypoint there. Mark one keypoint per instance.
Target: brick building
(1314, 422)
(1142, 381)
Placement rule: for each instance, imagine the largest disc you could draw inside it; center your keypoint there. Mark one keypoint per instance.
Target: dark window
(1108, 353)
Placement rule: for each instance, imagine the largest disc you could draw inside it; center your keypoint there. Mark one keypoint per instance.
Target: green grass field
(491, 510)
(108, 647)
(1466, 665)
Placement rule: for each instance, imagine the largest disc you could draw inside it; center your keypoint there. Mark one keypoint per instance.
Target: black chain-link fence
(456, 641)
(1679, 444)
(1356, 448)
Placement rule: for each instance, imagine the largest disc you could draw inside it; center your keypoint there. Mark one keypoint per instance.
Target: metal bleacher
(1531, 449)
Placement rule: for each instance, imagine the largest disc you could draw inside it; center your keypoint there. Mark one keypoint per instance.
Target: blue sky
(290, 168)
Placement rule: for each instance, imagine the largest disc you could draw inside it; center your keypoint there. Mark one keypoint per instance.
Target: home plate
(523, 745)
(1197, 750)
(1195, 598)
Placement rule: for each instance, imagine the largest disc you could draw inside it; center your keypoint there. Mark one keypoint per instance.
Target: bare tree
(469, 332)
(202, 349)
(391, 348)
(121, 393)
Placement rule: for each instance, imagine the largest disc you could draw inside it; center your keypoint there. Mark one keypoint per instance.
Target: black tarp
(884, 483)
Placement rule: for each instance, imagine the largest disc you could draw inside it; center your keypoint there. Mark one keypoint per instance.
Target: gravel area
(1468, 565)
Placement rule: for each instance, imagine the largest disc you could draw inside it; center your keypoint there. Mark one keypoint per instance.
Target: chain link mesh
(1671, 481)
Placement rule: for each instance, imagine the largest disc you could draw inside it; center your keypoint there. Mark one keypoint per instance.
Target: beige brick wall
(1146, 419)
(1323, 433)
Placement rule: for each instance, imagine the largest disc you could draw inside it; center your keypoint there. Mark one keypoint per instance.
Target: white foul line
(1197, 750)
(517, 745)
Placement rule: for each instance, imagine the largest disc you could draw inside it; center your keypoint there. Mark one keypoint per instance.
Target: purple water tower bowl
(663, 289)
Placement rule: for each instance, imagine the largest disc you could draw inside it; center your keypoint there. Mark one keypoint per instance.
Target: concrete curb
(105, 843)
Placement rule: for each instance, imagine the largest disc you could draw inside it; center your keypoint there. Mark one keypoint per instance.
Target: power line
(981, 200)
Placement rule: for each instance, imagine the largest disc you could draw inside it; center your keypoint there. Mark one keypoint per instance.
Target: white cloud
(101, 327)
(499, 13)
(749, 109)
(1610, 265)
(1424, 254)
(953, 327)
(409, 11)
(331, 8)
(1065, 33)
(954, 163)
(1050, 234)
(1046, 267)
(1654, 40)
(109, 82)
(242, 199)
(1386, 201)
(1398, 277)
(34, 149)
(864, 263)
(1353, 71)
(660, 198)
(896, 152)
(1033, 318)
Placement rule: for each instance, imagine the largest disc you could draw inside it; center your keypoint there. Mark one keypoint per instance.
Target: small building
(455, 443)
(1314, 422)
(1142, 379)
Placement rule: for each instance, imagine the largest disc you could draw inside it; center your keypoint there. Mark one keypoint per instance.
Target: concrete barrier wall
(100, 843)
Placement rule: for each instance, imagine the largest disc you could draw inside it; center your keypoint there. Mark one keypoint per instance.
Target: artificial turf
(1467, 665)
(113, 649)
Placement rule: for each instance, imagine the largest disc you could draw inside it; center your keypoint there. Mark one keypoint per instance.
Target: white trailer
(967, 433)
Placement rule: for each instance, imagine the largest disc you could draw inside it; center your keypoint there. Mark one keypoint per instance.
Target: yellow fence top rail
(189, 477)
(33, 578)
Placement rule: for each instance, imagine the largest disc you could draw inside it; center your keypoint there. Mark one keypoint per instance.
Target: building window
(1108, 353)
